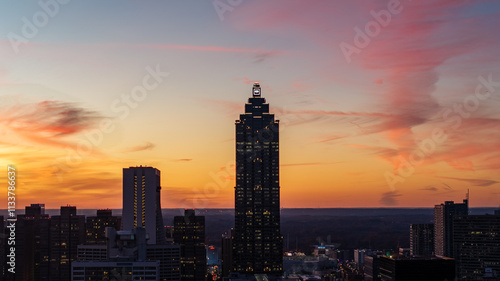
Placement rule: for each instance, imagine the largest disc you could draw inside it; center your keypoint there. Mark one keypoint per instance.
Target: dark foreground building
(189, 233)
(416, 269)
(257, 243)
(476, 244)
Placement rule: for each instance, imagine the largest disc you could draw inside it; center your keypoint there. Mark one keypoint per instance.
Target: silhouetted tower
(257, 243)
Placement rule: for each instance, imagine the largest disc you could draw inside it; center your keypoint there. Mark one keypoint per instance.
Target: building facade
(142, 202)
(443, 225)
(189, 233)
(33, 246)
(422, 240)
(476, 245)
(67, 231)
(95, 226)
(257, 241)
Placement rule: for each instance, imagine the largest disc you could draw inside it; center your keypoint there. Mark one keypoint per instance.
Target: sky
(381, 103)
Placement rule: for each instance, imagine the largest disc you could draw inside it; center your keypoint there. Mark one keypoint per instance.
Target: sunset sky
(381, 103)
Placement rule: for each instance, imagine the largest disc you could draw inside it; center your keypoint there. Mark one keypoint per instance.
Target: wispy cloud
(146, 146)
(429, 188)
(47, 122)
(475, 182)
(183, 160)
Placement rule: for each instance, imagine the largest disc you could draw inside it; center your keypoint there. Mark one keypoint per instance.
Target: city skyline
(89, 92)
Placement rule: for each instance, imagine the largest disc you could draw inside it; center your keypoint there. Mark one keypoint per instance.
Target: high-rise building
(141, 202)
(189, 233)
(422, 239)
(443, 225)
(67, 231)
(33, 244)
(96, 226)
(257, 241)
(476, 245)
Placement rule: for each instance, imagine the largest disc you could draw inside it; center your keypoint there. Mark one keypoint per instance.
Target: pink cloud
(47, 122)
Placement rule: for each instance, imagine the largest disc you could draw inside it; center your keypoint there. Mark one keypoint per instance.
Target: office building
(33, 244)
(422, 240)
(371, 268)
(95, 226)
(169, 256)
(94, 252)
(189, 233)
(257, 242)
(443, 225)
(67, 231)
(141, 202)
(129, 248)
(476, 244)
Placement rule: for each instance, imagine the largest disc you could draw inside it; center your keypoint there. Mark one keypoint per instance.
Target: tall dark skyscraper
(142, 202)
(257, 243)
(67, 231)
(443, 225)
(189, 232)
(33, 247)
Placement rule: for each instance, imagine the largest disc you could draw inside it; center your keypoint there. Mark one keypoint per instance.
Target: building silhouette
(443, 225)
(96, 226)
(67, 231)
(189, 233)
(257, 242)
(476, 245)
(142, 202)
(422, 239)
(33, 244)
